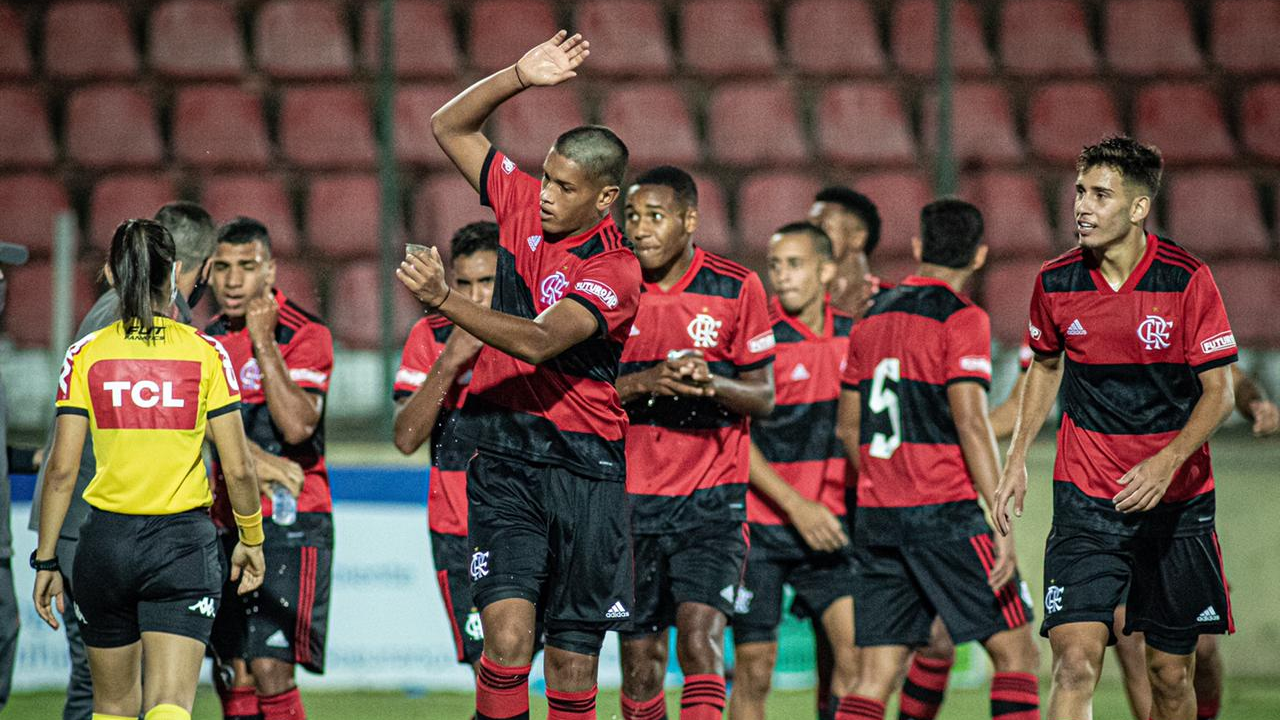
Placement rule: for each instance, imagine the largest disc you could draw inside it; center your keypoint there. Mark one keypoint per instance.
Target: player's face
(239, 273)
(846, 230)
(797, 273)
(571, 198)
(473, 275)
(1106, 207)
(658, 224)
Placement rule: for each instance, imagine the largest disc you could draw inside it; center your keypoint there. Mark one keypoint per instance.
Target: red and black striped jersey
(799, 438)
(687, 458)
(916, 339)
(307, 348)
(1130, 381)
(565, 411)
(447, 485)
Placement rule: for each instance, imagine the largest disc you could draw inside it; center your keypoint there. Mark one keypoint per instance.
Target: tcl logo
(145, 394)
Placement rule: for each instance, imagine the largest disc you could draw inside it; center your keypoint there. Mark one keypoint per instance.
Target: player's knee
(753, 671)
(1207, 651)
(644, 665)
(700, 651)
(272, 677)
(1076, 669)
(1016, 653)
(1170, 679)
(508, 645)
(569, 671)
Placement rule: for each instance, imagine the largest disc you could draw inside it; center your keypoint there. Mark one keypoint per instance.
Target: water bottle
(284, 506)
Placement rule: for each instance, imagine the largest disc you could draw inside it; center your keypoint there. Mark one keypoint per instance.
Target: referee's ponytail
(141, 262)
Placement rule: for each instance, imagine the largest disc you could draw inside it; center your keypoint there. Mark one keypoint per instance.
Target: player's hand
(260, 319)
(1013, 484)
(247, 566)
(1266, 417)
(49, 588)
(554, 61)
(1006, 562)
(289, 475)
(1144, 485)
(686, 375)
(819, 527)
(461, 347)
(423, 274)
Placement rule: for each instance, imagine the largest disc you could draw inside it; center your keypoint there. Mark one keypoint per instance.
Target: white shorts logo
(1053, 599)
(479, 565)
(473, 628)
(617, 611)
(705, 330)
(75, 607)
(600, 290)
(552, 288)
(1154, 332)
(203, 607)
(1221, 341)
(742, 605)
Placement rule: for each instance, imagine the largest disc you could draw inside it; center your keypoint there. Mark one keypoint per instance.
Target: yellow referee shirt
(147, 404)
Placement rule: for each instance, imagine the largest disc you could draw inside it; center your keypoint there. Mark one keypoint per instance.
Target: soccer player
(852, 221)
(283, 356)
(147, 388)
(696, 368)
(799, 476)
(1147, 381)
(547, 512)
(430, 389)
(913, 417)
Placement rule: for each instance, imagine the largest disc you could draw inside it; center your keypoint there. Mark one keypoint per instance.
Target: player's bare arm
(238, 469)
(1004, 415)
(1253, 403)
(968, 402)
(457, 125)
(751, 393)
(1147, 482)
(69, 433)
(294, 410)
(849, 425)
(416, 415)
(819, 527)
(1038, 394)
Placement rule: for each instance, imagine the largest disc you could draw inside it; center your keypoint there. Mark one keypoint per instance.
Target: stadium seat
(1251, 294)
(302, 40)
(1046, 37)
(502, 30)
(219, 126)
(863, 123)
(423, 42)
(117, 198)
(1013, 211)
(1006, 296)
(297, 281)
(982, 125)
(1065, 117)
(1260, 121)
(713, 217)
(326, 127)
(85, 39)
(914, 24)
(259, 196)
(1185, 121)
(196, 39)
(898, 196)
(415, 143)
(112, 126)
(628, 37)
(25, 141)
(15, 58)
(654, 121)
(355, 320)
(755, 123)
(767, 201)
(727, 37)
(1215, 213)
(529, 124)
(442, 204)
(1150, 37)
(28, 316)
(1244, 35)
(29, 204)
(833, 37)
(342, 216)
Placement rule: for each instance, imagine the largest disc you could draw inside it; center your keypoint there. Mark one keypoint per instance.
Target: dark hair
(820, 240)
(141, 260)
(950, 232)
(1137, 163)
(243, 230)
(473, 238)
(192, 230)
(858, 204)
(598, 150)
(680, 182)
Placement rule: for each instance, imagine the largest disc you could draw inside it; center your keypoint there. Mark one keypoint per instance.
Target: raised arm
(1038, 394)
(294, 410)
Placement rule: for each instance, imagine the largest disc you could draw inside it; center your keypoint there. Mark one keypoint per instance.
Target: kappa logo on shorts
(479, 565)
(742, 605)
(473, 628)
(75, 607)
(617, 611)
(1209, 615)
(1053, 599)
(277, 640)
(204, 607)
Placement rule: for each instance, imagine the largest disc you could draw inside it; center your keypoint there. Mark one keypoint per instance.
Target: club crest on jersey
(552, 288)
(704, 330)
(534, 241)
(251, 375)
(1154, 332)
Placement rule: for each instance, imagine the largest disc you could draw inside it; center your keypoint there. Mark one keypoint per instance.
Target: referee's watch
(50, 565)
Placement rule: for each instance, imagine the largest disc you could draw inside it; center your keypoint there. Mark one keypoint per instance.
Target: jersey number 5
(883, 398)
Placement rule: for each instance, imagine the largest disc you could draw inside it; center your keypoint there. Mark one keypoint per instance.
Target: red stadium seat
(29, 204)
(1006, 297)
(415, 143)
(767, 201)
(15, 58)
(1014, 215)
(196, 39)
(982, 124)
(529, 124)
(502, 30)
(302, 40)
(259, 196)
(864, 123)
(28, 317)
(1244, 35)
(423, 41)
(84, 39)
(1185, 121)
(342, 215)
(755, 123)
(628, 37)
(1260, 121)
(713, 217)
(1063, 118)
(1216, 212)
(25, 140)
(727, 37)
(914, 24)
(1251, 294)
(355, 320)
(112, 126)
(120, 197)
(1046, 37)
(326, 127)
(899, 196)
(442, 204)
(833, 37)
(220, 126)
(297, 281)
(654, 122)
(1150, 37)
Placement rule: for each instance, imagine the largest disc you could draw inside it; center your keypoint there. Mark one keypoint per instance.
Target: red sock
(654, 708)
(1015, 696)
(285, 706)
(856, 707)
(502, 693)
(702, 697)
(239, 702)
(571, 705)
(924, 689)
(1208, 708)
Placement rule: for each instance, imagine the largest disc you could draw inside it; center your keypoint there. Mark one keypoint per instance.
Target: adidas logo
(728, 594)
(634, 331)
(617, 611)
(1075, 328)
(800, 373)
(277, 640)
(1209, 615)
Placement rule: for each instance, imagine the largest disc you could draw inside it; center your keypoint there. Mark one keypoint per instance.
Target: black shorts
(553, 537)
(703, 565)
(898, 590)
(778, 556)
(286, 619)
(1176, 588)
(452, 557)
(146, 573)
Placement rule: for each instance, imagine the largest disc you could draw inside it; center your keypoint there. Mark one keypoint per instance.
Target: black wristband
(50, 565)
(448, 290)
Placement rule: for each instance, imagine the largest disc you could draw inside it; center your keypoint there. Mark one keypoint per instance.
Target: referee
(146, 388)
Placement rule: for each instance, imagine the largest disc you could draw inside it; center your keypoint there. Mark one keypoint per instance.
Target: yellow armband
(250, 527)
